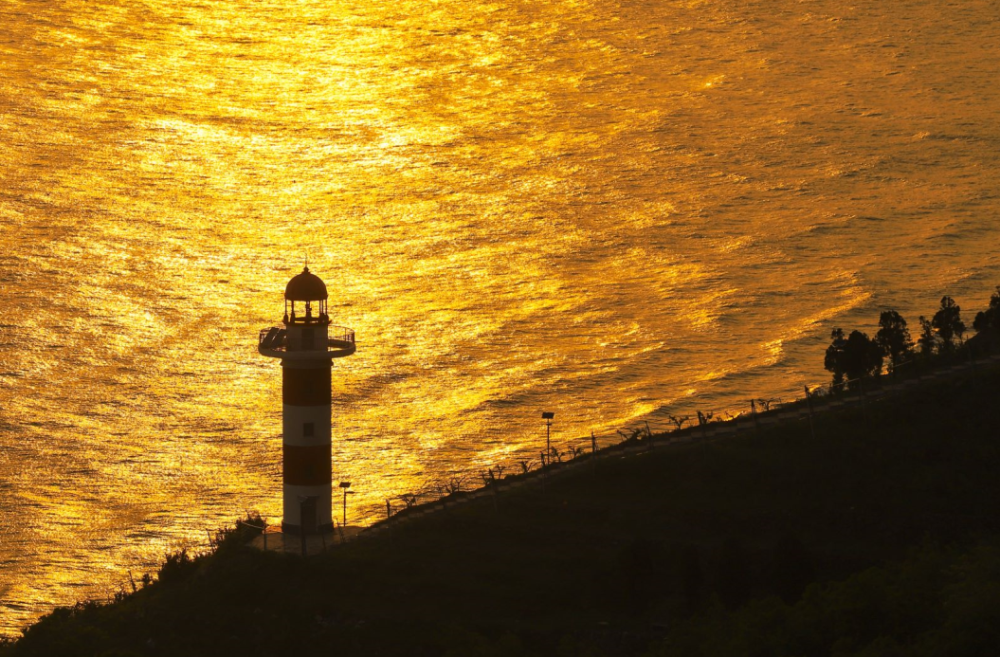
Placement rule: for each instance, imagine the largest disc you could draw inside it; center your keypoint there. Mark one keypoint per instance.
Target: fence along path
(764, 412)
(587, 452)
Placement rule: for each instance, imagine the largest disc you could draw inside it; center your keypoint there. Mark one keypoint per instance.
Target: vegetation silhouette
(989, 319)
(856, 358)
(928, 338)
(853, 359)
(836, 360)
(893, 338)
(947, 321)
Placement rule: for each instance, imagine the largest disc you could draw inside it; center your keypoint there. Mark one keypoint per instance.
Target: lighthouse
(306, 343)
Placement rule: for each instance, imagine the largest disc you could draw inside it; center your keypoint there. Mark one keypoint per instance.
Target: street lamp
(547, 416)
(345, 485)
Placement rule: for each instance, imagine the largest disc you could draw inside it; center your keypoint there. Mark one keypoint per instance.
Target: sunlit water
(611, 210)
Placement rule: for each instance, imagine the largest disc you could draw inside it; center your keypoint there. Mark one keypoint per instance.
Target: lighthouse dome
(305, 287)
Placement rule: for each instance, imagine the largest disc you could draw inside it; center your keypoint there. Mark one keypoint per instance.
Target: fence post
(753, 411)
(593, 453)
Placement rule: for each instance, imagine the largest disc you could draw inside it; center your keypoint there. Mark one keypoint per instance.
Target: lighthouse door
(308, 510)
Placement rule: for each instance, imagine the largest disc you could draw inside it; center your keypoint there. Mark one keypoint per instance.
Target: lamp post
(547, 416)
(345, 485)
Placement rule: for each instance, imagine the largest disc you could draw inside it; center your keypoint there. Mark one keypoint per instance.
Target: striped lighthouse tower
(306, 343)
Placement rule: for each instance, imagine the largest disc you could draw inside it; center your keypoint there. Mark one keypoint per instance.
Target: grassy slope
(604, 561)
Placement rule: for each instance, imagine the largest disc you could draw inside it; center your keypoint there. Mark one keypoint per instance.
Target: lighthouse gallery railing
(274, 337)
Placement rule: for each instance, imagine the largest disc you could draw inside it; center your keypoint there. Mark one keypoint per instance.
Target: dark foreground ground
(880, 536)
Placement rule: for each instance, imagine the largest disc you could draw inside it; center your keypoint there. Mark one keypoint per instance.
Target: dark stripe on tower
(306, 387)
(307, 466)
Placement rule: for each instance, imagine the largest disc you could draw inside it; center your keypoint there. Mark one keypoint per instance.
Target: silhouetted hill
(703, 548)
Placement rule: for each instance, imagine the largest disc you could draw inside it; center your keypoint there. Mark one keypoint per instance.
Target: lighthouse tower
(306, 343)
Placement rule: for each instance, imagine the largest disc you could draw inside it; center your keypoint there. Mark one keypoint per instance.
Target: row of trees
(854, 357)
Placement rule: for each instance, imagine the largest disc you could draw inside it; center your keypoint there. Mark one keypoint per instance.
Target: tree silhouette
(928, 339)
(834, 361)
(989, 319)
(947, 321)
(862, 357)
(893, 337)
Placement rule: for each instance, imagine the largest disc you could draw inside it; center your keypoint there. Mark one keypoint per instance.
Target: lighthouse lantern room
(306, 343)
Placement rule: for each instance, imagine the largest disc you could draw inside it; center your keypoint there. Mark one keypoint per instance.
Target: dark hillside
(670, 545)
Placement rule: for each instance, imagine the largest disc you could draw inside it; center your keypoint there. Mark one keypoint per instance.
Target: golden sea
(614, 211)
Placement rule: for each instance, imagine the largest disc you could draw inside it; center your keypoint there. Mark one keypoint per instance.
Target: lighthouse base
(303, 545)
(307, 509)
(296, 530)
